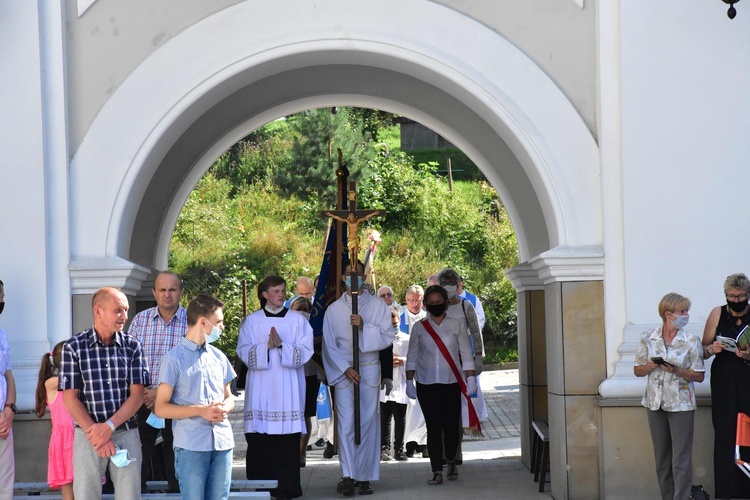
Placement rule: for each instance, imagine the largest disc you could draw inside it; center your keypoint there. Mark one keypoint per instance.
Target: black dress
(730, 394)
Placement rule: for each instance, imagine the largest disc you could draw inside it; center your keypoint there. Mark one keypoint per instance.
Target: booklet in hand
(731, 344)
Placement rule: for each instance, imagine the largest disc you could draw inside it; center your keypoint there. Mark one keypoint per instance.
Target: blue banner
(330, 273)
(323, 409)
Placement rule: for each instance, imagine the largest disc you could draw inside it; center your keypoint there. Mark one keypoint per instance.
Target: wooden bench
(238, 485)
(153, 496)
(540, 452)
(241, 488)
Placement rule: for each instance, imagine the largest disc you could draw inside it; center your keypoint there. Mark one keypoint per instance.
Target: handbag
(698, 493)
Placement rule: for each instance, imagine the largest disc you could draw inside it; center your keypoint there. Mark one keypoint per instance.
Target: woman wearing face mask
(672, 360)
(433, 361)
(730, 379)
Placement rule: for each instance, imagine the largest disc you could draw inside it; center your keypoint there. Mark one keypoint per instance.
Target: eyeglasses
(448, 283)
(413, 301)
(385, 295)
(732, 296)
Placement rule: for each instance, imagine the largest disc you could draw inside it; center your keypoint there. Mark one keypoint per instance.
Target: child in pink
(60, 455)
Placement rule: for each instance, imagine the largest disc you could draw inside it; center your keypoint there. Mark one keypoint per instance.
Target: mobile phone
(658, 360)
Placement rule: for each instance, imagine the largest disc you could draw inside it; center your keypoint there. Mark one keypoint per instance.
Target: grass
(502, 354)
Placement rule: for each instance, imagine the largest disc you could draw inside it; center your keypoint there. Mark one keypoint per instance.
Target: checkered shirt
(102, 373)
(157, 337)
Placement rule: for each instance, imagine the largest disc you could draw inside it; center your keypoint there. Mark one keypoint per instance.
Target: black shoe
(365, 488)
(320, 443)
(401, 456)
(308, 448)
(385, 454)
(346, 487)
(411, 447)
(425, 453)
(329, 452)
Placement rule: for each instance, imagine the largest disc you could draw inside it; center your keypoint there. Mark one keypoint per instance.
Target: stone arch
(198, 93)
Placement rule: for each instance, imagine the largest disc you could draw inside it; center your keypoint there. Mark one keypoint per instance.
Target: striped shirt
(102, 373)
(198, 376)
(156, 336)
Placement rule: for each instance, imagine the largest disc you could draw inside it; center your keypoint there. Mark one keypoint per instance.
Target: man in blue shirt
(194, 391)
(102, 376)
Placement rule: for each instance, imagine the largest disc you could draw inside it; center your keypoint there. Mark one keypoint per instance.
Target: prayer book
(732, 344)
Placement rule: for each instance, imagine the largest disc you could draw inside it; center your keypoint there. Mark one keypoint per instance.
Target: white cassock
(275, 384)
(398, 392)
(361, 463)
(416, 427)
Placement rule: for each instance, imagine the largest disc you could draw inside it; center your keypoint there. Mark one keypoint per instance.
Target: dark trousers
(148, 445)
(275, 456)
(441, 405)
(397, 411)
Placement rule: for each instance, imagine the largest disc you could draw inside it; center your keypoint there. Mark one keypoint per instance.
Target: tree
(317, 135)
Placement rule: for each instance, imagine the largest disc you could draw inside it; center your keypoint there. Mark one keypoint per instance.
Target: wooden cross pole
(352, 218)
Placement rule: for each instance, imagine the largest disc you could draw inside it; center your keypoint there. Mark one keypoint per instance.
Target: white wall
(686, 117)
(685, 107)
(23, 264)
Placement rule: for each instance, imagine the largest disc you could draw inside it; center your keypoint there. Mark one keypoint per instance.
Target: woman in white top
(672, 360)
(437, 388)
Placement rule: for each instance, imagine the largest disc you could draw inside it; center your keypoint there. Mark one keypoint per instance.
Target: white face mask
(680, 321)
(450, 290)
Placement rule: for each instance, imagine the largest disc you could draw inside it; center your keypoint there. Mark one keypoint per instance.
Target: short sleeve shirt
(198, 376)
(102, 373)
(4, 365)
(666, 391)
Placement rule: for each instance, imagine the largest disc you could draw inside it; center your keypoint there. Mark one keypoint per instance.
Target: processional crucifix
(352, 218)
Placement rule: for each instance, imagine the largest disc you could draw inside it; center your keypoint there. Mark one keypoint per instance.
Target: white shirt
(425, 358)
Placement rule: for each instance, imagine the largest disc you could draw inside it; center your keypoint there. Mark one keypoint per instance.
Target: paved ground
(491, 469)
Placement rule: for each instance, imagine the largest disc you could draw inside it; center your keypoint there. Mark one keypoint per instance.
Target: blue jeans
(203, 475)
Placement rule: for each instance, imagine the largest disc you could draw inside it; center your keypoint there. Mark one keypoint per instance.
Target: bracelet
(111, 425)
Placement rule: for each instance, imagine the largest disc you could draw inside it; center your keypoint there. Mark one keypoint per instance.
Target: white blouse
(428, 362)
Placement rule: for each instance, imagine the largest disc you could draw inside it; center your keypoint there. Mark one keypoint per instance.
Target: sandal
(452, 471)
(437, 478)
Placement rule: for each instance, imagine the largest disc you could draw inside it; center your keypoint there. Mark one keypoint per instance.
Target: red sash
(473, 419)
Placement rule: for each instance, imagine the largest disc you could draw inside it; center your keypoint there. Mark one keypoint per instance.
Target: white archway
(199, 93)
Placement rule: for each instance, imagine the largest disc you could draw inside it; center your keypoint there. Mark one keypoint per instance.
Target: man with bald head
(102, 376)
(159, 329)
(303, 288)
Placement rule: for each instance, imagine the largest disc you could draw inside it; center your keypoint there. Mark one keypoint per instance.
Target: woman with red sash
(437, 346)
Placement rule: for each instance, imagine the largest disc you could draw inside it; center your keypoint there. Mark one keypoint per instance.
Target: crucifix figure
(352, 218)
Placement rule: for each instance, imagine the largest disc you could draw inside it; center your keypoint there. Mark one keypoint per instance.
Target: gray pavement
(492, 467)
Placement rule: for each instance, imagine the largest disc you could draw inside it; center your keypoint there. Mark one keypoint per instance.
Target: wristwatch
(12, 407)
